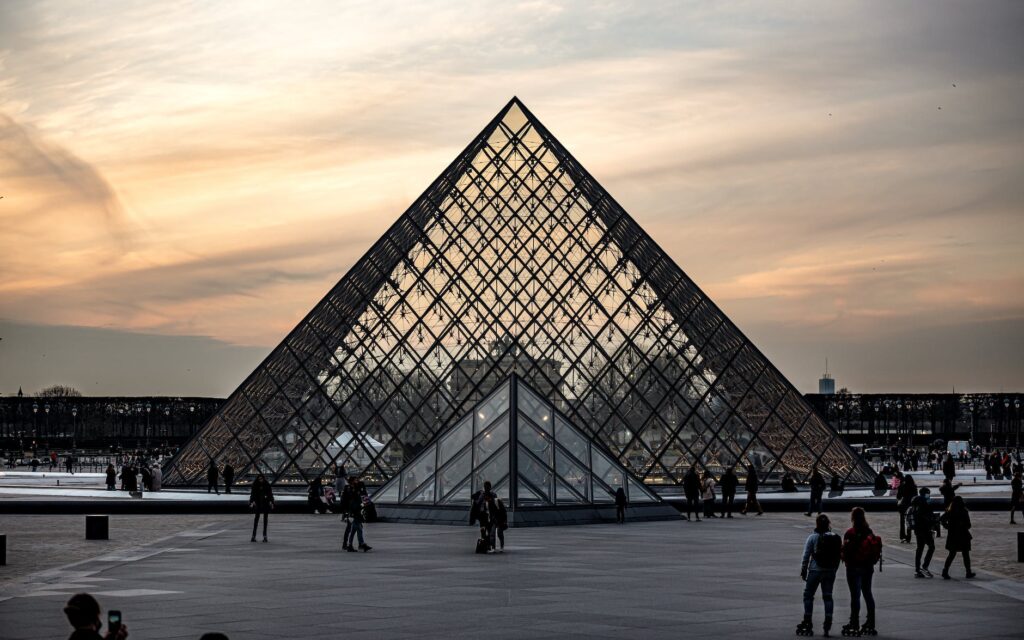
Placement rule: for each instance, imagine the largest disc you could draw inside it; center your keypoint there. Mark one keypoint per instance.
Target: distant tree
(59, 391)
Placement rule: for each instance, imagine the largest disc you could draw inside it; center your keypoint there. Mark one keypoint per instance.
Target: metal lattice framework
(515, 260)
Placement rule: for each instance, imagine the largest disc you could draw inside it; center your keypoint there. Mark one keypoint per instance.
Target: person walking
(1016, 495)
(922, 520)
(948, 491)
(352, 507)
(211, 477)
(261, 501)
(111, 477)
(750, 485)
(948, 467)
(691, 489)
(69, 464)
(708, 494)
(821, 558)
(501, 522)
(315, 496)
(957, 521)
(729, 482)
(229, 477)
(818, 485)
(621, 502)
(861, 550)
(906, 492)
(156, 478)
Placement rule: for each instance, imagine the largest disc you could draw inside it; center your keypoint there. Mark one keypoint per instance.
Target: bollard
(3, 549)
(96, 528)
(1020, 546)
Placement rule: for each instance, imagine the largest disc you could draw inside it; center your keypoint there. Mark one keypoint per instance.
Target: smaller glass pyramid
(534, 458)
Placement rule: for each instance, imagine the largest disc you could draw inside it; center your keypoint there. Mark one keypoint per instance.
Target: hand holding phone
(116, 630)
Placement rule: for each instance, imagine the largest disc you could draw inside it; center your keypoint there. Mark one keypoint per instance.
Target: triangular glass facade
(530, 453)
(515, 260)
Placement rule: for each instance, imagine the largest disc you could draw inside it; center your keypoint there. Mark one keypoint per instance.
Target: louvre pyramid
(515, 260)
(535, 459)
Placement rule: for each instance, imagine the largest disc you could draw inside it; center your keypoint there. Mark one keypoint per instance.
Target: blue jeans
(353, 529)
(826, 578)
(859, 580)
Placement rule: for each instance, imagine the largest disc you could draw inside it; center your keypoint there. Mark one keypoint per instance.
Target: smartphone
(113, 620)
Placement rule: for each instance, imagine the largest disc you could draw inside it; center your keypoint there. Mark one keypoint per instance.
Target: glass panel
(536, 441)
(454, 473)
(424, 495)
(536, 409)
(600, 494)
(454, 441)
(608, 472)
(489, 441)
(493, 472)
(527, 498)
(417, 472)
(502, 491)
(387, 493)
(567, 436)
(538, 475)
(573, 474)
(461, 495)
(494, 406)
(639, 493)
(563, 495)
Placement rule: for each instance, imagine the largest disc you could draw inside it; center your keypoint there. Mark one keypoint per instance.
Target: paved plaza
(732, 578)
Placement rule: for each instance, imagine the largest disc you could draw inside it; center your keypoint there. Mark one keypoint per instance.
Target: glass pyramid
(532, 455)
(515, 260)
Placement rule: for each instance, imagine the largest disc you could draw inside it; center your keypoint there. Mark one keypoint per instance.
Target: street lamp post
(1006, 422)
(74, 428)
(1016, 411)
(149, 408)
(991, 423)
(191, 410)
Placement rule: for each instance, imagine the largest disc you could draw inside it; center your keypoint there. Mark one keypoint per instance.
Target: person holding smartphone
(261, 501)
(83, 613)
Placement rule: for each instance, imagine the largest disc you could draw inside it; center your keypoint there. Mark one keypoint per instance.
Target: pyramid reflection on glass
(515, 260)
(544, 468)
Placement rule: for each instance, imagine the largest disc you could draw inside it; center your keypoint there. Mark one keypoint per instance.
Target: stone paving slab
(724, 579)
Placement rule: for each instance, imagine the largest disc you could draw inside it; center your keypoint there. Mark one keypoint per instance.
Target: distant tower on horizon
(826, 385)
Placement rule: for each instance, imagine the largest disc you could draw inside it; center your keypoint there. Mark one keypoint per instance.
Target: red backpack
(869, 551)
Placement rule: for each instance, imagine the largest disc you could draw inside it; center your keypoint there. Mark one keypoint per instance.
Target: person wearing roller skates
(822, 554)
(861, 550)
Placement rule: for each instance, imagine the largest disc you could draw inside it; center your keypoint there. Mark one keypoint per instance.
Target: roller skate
(805, 628)
(852, 629)
(827, 627)
(869, 627)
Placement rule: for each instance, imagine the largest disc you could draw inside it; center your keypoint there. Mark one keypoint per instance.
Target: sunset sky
(182, 182)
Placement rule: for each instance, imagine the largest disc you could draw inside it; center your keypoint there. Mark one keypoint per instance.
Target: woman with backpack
(822, 553)
(957, 521)
(861, 550)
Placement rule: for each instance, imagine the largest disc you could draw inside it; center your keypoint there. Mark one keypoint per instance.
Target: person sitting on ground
(83, 613)
(788, 484)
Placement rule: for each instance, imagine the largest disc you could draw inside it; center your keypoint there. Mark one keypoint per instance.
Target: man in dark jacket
(923, 525)
(261, 501)
(948, 468)
(211, 477)
(229, 477)
(818, 485)
(729, 482)
(751, 487)
(691, 489)
(620, 506)
(352, 507)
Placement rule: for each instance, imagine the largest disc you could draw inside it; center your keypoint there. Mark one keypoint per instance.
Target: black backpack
(828, 550)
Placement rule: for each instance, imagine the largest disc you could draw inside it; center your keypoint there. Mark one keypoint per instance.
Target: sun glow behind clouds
(213, 169)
